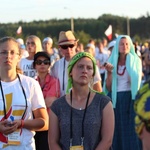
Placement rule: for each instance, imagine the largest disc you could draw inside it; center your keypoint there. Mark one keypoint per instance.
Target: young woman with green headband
(82, 119)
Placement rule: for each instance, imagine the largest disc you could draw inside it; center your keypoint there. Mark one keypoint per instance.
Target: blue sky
(29, 10)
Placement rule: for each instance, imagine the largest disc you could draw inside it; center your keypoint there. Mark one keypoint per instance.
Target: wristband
(22, 124)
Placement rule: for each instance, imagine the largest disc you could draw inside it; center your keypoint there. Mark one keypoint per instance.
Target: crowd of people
(74, 97)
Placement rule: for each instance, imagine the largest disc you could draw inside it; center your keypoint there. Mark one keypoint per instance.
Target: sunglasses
(66, 46)
(32, 43)
(45, 62)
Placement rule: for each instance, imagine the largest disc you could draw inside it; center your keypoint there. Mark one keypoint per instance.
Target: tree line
(84, 29)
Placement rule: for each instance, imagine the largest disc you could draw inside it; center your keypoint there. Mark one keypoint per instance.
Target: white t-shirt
(24, 53)
(27, 67)
(102, 59)
(59, 71)
(123, 81)
(15, 104)
(97, 76)
(54, 57)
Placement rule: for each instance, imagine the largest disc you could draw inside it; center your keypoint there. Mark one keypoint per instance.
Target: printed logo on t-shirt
(11, 111)
(29, 71)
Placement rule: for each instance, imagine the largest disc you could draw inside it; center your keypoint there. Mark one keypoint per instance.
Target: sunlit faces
(47, 46)
(11, 52)
(124, 46)
(68, 51)
(82, 72)
(30, 45)
(9, 55)
(42, 64)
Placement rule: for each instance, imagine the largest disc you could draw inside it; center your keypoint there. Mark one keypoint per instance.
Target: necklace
(122, 73)
(83, 118)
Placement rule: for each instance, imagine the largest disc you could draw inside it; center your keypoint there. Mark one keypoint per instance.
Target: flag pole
(128, 26)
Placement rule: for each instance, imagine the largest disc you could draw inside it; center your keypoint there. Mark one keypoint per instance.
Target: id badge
(14, 138)
(79, 147)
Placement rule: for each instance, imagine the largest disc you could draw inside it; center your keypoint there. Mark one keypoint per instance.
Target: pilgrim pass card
(76, 148)
(14, 138)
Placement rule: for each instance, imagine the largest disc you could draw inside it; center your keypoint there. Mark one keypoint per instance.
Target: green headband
(77, 57)
(142, 107)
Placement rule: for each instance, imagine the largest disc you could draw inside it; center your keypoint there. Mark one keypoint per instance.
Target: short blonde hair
(37, 42)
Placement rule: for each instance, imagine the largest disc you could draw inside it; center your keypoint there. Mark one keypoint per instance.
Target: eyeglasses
(32, 43)
(5, 53)
(45, 62)
(66, 46)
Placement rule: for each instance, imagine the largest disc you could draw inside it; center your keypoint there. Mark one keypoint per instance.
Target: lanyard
(5, 116)
(64, 75)
(71, 131)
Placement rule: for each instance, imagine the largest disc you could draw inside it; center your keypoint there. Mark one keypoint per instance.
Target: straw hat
(66, 38)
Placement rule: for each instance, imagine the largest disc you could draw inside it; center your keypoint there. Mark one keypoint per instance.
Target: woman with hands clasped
(82, 119)
(20, 98)
(122, 82)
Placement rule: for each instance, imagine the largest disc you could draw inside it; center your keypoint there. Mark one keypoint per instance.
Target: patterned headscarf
(142, 108)
(73, 61)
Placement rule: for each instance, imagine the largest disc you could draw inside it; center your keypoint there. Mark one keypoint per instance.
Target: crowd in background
(101, 51)
(56, 70)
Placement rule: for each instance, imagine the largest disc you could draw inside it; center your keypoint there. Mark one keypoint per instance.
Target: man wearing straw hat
(67, 44)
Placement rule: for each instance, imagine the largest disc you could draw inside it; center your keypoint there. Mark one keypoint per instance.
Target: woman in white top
(123, 83)
(33, 45)
(22, 106)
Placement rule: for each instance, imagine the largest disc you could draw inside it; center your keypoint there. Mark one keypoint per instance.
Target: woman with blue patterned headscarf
(122, 83)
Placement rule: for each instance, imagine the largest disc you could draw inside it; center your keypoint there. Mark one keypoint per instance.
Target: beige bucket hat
(66, 38)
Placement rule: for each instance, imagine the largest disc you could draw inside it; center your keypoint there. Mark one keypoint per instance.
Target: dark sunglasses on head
(66, 46)
(45, 62)
(32, 43)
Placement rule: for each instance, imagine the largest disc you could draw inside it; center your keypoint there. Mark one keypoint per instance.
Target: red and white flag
(116, 35)
(19, 30)
(108, 32)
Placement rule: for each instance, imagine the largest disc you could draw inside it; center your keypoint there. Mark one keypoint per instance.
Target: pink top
(51, 87)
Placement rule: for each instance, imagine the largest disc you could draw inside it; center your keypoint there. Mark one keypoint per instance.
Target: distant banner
(19, 30)
(108, 32)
